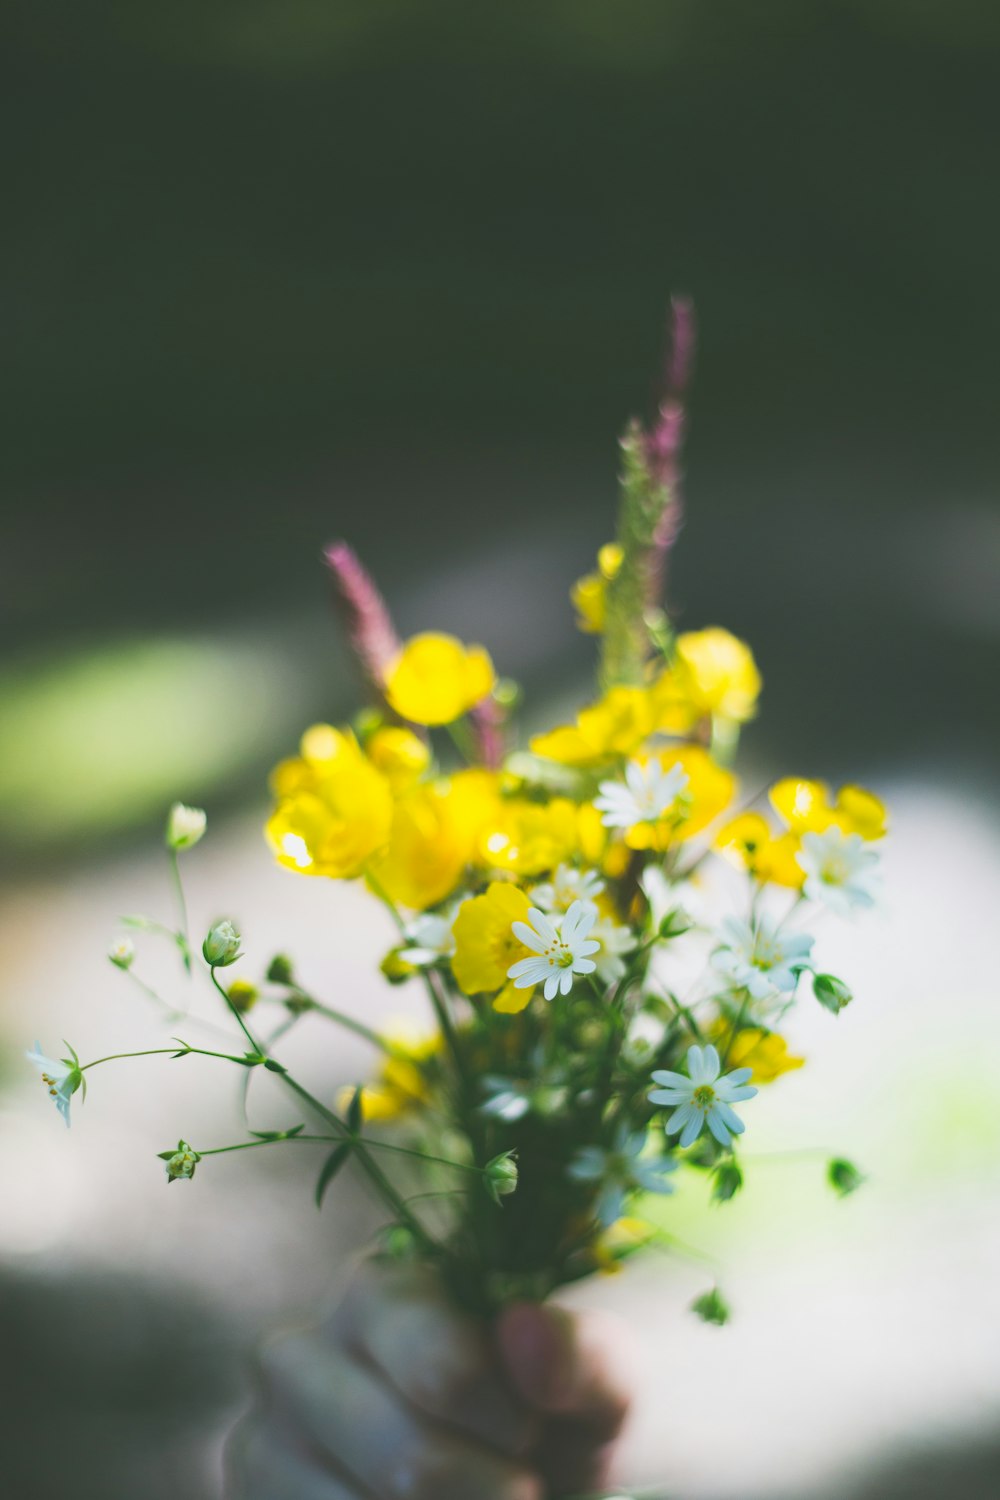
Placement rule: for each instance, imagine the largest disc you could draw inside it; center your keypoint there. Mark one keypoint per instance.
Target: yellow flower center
(704, 1096)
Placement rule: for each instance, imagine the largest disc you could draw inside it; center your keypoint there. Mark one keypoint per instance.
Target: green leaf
(843, 1176)
(832, 993)
(711, 1307)
(354, 1111)
(331, 1167)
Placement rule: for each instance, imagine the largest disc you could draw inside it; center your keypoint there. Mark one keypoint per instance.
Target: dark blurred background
(397, 271)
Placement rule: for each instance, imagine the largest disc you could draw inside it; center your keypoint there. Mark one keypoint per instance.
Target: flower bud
(711, 1307)
(122, 953)
(185, 826)
(831, 992)
(280, 969)
(243, 995)
(222, 946)
(728, 1181)
(843, 1176)
(395, 968)
(500, 1176)
(180, 1163)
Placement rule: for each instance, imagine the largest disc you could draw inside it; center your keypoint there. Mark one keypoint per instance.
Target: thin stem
(254, 1044)
(278, 1140)
(375, 1174)
(443, 1161)
(115, 1056)
(184, 934)
(379, 890)
(358, 1027)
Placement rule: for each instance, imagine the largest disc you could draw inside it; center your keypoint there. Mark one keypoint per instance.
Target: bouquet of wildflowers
(599, 938)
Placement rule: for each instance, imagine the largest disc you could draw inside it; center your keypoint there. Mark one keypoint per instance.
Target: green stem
(358, 1027)
(254, 1044)
(442, 1161)
(737, 1026)
(182, 1049)
(182, 908)
(279, 1140)
(374, 1172)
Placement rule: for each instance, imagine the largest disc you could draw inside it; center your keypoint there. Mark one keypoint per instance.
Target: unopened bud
(500, 1176)
(832, 993)
(243, 995)
(180, 1163)
(185, 826)
(280, 970)
(122, 953)
(222, 946)
(843, 1176)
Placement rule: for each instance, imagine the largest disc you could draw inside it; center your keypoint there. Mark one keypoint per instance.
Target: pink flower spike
(369, 623)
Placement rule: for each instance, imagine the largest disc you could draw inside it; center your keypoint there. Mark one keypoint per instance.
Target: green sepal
(331, 1167)
(711, 1307)
(832, 993)
(728, 1181)
(273, 1066)
(843, 1176)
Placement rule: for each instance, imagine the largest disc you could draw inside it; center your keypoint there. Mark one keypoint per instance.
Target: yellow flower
(589, 593)
(530, 838)
(435, 679)
(610, 729)
(434, 836)
(618, 1241)
(717, 675)
(765, 1052)
(860, 811)
(806, 807)
(747, 841)
(402, 1083)
(485, 945)
(335, 810)
(709, 790)
(399, 754)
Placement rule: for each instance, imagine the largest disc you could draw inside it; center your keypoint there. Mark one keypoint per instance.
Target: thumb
(572, 1367)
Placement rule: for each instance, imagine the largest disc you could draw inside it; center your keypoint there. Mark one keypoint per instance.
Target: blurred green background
(274, 273)
(399, 271)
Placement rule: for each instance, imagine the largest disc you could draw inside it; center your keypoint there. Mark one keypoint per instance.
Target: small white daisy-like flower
(566, 886)
(647, 796)
(620, 1170)
(62, 1079)
(429, 938)
(840, 869)
(615, 942)
(761, 959)
(562, 947)
(703, 1097)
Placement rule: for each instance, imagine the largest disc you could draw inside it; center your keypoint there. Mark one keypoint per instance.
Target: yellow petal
(435, 679)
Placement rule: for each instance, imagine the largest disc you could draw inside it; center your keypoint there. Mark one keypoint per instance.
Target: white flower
(562, 945)
(185, 826)
(430, 938)
(619, 1170)
(703, 1096)
(566, 886)
(647, 796)
(840, 869)
(510, 1099)
(122, 953)
(615, 942)
(62, 1079)
(759, 958)
(181, 1163)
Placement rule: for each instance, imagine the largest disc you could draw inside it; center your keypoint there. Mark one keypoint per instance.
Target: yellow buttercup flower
(806, 808)
(590, 593)
(485, 945)
(434, 679)
(401, 756)
(610, 729)
(747, 840)
(717, 675)
(618, 1241)
(765, 1052)
(335, 808)
(402, 1084)
(434, 836)
(530, 838)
